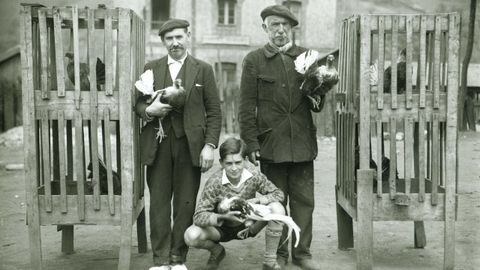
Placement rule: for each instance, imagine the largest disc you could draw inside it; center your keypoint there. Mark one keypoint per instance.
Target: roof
(13, 51)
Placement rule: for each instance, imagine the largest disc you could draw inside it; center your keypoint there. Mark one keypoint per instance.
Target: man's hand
(253, 157)
(157, 108)
(232, 216)
(206, 158)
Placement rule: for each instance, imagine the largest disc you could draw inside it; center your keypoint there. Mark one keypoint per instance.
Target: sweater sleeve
(204, 213)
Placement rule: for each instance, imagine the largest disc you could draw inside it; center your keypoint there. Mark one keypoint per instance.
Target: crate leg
(141, 232)
(364, 236)
(35, 244)
(67, 239)
(419, 234)
(344, 229)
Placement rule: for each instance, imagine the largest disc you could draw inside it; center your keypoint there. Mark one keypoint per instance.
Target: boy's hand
(233, 216)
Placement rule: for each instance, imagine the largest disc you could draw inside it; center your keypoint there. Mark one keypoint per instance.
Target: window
(226, 12)
(160, 12)
(295, 7)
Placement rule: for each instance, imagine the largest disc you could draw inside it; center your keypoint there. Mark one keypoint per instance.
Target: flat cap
(281, 11)
(172, 24)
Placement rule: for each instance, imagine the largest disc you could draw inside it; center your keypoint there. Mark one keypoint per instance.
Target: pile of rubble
(12, 137)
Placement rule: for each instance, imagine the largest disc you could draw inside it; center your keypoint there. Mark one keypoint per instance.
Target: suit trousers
(173, 183)
(295, 179)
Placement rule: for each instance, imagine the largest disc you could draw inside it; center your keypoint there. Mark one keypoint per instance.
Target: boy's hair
(232, 146)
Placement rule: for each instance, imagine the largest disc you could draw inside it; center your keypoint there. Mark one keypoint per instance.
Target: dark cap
(281, 11)
(172, 24)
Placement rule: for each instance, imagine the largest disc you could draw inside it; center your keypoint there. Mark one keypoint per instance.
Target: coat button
(283, 85)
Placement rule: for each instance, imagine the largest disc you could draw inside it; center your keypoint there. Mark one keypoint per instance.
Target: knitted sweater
(215, 191)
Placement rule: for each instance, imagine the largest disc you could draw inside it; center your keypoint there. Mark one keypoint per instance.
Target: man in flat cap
(277, 126)
(174, 163)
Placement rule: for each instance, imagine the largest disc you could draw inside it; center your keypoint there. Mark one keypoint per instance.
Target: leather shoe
(215, 259)
(307, 264)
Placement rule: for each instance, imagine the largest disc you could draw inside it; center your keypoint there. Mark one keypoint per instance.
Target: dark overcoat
(202, 114)
(274, 116)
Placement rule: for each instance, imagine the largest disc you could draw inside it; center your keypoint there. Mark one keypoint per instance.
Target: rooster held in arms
(257, 212)
(173, 95)
(317, 79)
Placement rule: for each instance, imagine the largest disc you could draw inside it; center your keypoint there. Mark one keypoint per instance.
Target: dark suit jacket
(275, 117)
(202, 115)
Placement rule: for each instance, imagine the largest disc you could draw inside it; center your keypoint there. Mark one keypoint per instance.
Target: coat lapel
(159, 73)
(191, 70)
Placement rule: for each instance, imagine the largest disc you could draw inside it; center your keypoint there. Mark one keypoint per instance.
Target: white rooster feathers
(305, 60)
(145, 83)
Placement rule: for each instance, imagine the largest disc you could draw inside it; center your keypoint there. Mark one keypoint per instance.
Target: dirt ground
(96, 247)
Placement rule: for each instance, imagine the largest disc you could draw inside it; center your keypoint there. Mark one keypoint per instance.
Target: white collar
(245, 176)
(181, 61)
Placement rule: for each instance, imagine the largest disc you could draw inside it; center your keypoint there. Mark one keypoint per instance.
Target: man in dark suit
(174, 163)
(277, 126)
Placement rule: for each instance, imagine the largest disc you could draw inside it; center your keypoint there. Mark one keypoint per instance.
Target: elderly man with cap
(174, 163)
(277, 126)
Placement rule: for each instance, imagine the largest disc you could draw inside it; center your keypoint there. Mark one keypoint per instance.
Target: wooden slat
(61, 155)
(408, 67)
(379, 155)
(46, 160)
(451, 183)
(436, 64)
(108, 54)
(364, 137)
(381, 60)
(393, 64)
(364, 242)
(408, 153)
(422, 62)
(76, 56)
(94, 158)
(337, 149)
(126, 136)
(386, 209)
(421, 154)
(108, 161)
(402, 21)
(348, 69)
(30, 139)
(435, 158)
(92, 60)
(79, 165)
(393, 156)
(42, 24)
(57, 26)
(351, 154)
(70, 150)
(342, 152)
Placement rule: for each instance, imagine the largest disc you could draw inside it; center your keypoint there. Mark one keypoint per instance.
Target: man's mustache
(176, 47)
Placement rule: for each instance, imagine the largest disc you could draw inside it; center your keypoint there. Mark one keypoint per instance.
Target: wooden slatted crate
(398, 78)
(81, 136)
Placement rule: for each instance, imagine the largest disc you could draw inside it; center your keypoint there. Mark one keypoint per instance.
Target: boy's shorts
(230, 233)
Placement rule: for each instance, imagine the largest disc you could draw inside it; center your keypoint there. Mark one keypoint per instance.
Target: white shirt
(174, 66)
(245, 176)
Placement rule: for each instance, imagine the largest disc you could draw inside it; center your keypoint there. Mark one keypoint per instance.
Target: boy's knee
(192, 235)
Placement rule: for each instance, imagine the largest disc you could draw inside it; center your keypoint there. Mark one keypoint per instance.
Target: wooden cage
(398, 73)
(80, 132)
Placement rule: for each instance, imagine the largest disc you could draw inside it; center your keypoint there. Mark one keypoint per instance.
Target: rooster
(317, 79)
(85, 72)
(257, 212)
(117, 182)
(174, 95)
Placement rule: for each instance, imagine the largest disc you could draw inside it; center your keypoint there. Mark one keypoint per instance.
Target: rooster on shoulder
(317, 79)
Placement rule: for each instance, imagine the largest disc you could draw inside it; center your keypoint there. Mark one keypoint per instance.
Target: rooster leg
(315, 103)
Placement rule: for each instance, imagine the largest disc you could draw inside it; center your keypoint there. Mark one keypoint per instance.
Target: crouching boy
(241, 179)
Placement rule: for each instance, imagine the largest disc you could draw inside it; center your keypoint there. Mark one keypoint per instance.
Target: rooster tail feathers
(305, 60)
